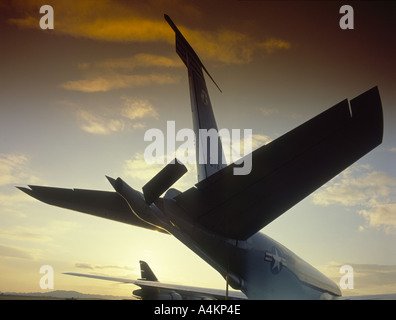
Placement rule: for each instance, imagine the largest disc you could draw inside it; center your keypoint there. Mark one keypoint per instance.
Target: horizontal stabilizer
(104, 204)
(286, 170)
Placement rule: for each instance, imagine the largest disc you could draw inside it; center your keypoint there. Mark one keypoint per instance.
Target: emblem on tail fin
(204, 97)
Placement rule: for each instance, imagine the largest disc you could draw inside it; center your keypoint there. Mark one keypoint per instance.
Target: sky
(76, 101)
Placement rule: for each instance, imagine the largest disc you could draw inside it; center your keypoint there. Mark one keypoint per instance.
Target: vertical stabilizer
(209, 150)
(146, 272)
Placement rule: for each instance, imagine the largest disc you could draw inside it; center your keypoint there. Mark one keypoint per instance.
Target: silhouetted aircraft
(220, 217)
(152, 289)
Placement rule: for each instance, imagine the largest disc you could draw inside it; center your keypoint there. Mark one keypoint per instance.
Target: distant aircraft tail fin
(209, 150)
(146, 272)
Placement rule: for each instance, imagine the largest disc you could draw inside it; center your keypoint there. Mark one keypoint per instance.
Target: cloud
(117, 81)
(231, 47)
(14, 252)
(138, 125)
(272, 44)
(100, 267)
(373, 193)
(123, 271)
(356, 186)
(95, 124)
(121, 21)
(268, 111)
(130, 63)
(12, 202)
(138, 109)
(24, 233)
(115, 119)
(112, 74)
(43, 233)
(381, 216)
(138, 168)
(349, 190)
(10, 167)
(115, 21)
(14, 169)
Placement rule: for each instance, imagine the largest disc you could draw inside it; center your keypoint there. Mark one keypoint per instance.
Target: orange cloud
(110, 74)
(231, 47)
(139, 60)
(116, 81)
(272, 44)
(99, 20)
(121, 21)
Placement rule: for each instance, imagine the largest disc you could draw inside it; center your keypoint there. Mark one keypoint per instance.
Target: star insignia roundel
(276, 259)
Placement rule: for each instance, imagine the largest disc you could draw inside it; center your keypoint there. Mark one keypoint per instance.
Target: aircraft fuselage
(260, 267)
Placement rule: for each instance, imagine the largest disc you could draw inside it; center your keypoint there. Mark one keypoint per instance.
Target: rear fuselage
(260, 267)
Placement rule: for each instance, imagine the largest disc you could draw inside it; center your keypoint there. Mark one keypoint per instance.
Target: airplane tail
(209, 151)
(146, 272)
